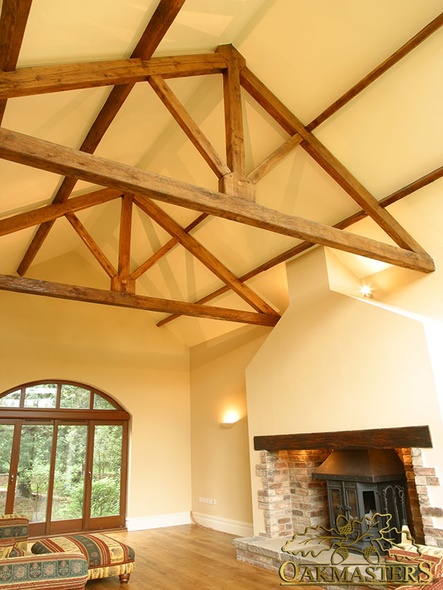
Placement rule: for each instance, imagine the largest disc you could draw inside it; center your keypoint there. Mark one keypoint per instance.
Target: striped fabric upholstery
(14, 530)
(44, 572)
(105, 555)
(414, 554)
(21, 570)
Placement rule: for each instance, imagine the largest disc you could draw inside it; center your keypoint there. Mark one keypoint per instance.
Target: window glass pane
(352, 511)
(43, 395)
(6, 435)
(12, 400)
(336, 504)
(100, 403)
(33, 471)
(69, 479)
(106, 472)
(74, 396)
(352, 503)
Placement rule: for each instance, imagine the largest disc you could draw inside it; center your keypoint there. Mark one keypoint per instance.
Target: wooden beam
(91, 245)
(192, 130)
(157, 27)
(70, 414)
(343, 224)
(235, 149)
(68, 185)
(202, 254)
(275, 158)
(59, 78)
(167, 247)
(304, 246)
(328, 161)
(89, 295)
(63, 193)
(235, 183)
(13, 21)
(27, 219)
(124, 262)
(271, 161)
(122, 282)
(378, 438)
(163, 17)
(295, 140)
(412, 187)
(62, 160)
(428, 30)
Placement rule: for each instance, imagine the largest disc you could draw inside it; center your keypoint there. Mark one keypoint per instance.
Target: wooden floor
(187, 557)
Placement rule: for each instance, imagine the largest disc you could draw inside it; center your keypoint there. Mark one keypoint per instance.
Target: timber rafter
(235, 199)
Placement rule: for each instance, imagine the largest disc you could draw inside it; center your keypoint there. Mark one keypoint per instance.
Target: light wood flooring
(186, 557)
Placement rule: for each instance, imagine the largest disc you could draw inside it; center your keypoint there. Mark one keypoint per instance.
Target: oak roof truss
(235, 198)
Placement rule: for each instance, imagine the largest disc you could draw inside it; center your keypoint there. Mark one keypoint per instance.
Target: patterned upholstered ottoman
(21, 570)
(106, 556)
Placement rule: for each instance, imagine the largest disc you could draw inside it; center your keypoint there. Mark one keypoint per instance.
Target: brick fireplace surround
(292, 500)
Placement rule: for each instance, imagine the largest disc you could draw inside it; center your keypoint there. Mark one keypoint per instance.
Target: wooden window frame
(61, 416)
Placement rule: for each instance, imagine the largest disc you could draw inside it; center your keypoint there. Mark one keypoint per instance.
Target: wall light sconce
(230, 418)
(366, 291)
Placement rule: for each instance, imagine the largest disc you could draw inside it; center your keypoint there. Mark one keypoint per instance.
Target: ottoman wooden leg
(124, 578)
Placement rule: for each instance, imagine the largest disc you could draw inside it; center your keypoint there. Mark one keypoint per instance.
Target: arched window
(63, 457)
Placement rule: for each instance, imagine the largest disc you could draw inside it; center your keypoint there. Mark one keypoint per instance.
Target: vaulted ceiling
(172, 155)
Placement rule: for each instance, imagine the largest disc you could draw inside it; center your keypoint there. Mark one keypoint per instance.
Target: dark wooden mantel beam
(378, 438)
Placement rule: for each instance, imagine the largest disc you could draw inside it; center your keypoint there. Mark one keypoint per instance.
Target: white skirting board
(224, 525)
(157, 521)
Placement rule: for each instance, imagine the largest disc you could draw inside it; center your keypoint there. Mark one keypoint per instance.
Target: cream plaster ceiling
(307, 53)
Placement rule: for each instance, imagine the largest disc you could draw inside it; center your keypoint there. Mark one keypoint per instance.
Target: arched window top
(57, 395)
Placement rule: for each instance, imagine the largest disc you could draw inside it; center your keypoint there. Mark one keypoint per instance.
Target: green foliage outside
(69, 478)
(105, 496)
(6, 434)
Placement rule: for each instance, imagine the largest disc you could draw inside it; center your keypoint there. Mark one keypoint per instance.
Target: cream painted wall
(122, 353)
(335, 362)
(220, 456)
(151, 374)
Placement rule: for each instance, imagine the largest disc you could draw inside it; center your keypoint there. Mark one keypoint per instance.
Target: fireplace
(360, 484)
(291, 497)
